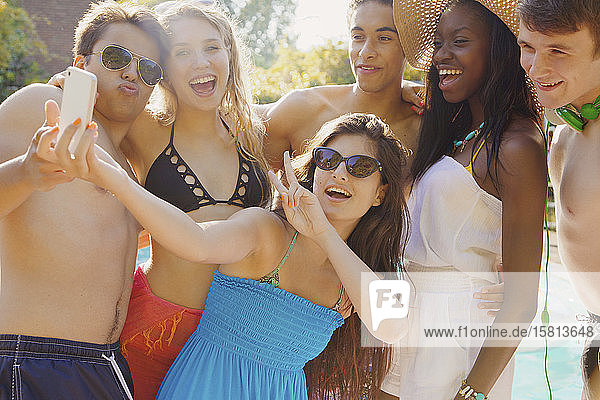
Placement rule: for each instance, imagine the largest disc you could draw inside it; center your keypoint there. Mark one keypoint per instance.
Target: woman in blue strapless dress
(288, 277)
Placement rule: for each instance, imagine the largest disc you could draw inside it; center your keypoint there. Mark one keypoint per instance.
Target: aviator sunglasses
(359, 166)
(116, 58)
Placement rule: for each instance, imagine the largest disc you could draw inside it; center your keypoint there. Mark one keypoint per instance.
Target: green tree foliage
(264, 23)
(17, 47)
(413, 74)
(294, 69)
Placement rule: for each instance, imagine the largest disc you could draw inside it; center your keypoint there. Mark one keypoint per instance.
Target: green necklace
(577, 119)
(462, 143)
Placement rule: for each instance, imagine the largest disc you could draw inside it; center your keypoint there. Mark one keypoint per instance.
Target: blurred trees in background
(295, 69)
(264, 23)
(18, 44)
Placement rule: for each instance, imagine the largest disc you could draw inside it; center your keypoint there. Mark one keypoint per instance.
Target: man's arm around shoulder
(27, 119)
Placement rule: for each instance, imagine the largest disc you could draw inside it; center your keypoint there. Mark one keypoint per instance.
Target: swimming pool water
(564, 373)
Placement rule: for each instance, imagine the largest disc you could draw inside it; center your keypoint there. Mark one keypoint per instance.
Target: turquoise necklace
(463, 143)
(577, 119)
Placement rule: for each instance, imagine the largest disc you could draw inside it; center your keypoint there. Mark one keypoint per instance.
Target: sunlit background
(317, 21)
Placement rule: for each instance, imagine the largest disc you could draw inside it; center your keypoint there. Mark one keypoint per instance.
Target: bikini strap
(272, 278)
(227, 127)
(469, 167)
(478, 150)
(172, 133)
(338, 303)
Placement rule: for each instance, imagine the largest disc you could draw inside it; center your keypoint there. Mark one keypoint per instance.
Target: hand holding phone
(78, 100)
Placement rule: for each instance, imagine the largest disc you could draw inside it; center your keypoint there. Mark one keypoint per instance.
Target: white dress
(453, 250)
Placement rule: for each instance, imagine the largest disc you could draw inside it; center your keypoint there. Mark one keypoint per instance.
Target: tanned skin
(68, 249)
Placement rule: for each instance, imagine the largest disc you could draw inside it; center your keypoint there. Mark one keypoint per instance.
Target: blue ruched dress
(252, 342)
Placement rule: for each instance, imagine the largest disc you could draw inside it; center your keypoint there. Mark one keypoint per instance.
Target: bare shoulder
(143, 129)
(259, 221)
(262, 109)
(299, 103)
(22, 113)
(28, 103)
(144, 140)
(297, 116)
(269, 231)
(523, 139)
(523, 155)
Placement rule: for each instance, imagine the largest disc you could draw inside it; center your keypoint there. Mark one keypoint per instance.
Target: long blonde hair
(248, 129)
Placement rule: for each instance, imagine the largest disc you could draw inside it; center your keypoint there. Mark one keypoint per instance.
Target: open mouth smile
(448, 76)
(337, 193)
(548, 85)
(204, 85)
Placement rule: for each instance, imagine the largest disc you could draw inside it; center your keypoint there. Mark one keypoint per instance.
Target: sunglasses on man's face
(359, 166)
(115, 58)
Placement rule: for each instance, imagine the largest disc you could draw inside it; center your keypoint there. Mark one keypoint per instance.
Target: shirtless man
(68, 251)
(560, 50)
(377, 61)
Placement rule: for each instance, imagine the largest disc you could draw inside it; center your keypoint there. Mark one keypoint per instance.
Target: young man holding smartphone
(560, 50)
(68, 251)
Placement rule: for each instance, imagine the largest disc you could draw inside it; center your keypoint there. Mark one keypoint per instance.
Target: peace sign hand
(301, 206)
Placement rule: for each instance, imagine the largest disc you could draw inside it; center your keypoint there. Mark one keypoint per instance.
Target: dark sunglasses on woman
(115, 58)
(359, 166)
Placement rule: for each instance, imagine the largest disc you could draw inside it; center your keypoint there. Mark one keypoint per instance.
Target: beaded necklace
(577, 119)
(463, 143)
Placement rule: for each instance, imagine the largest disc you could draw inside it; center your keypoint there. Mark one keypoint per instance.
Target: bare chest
(407, 131)
(310, 127)
(77, 215)
(575, 170)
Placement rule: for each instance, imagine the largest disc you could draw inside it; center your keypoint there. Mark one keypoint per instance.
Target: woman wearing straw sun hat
(479, 184)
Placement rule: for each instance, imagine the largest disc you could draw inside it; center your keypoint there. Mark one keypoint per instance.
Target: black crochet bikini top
(171, 179)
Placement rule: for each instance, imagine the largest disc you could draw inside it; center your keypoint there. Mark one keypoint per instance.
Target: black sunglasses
(115, 58)
(359, 166)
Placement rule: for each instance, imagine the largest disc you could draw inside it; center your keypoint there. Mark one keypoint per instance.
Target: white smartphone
(79, 95)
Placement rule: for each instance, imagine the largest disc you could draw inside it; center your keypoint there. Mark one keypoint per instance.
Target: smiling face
(122, 94)
(343, 196)
(461, 53)
(563, 67)
(198, 64)
(376, 55)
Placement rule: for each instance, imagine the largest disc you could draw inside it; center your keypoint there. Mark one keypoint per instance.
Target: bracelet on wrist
(468, 393)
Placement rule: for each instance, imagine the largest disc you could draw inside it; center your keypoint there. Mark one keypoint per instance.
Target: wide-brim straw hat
(417, 20)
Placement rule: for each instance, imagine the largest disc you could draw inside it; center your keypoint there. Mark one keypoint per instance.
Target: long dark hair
(346, 369)
(506, 93)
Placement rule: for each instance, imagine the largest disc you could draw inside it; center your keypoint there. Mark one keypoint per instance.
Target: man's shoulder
(315, 99)
(324, 96)
(22, 114)
(27, 104)
(36, 93)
